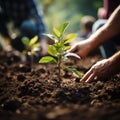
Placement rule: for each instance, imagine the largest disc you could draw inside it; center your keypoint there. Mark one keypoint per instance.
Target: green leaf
(69, 38)
(59, 47)
(25, 41)
(56, 33)
(67, 47)
(37, 45)
(52, 37)
(33, 40)
(64, 58)
(60, 50)
(47, 59)
(75, 71)
(24, 52)
(63, 27)
(52, 50)
(35, 48)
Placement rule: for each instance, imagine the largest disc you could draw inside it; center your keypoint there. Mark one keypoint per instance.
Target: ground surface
(38, 95)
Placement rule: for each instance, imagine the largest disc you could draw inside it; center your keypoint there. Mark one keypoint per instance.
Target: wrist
(115, 62)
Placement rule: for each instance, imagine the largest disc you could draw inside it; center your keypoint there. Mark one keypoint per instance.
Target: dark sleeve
(110, 6)
(3, 22)
(38, 18)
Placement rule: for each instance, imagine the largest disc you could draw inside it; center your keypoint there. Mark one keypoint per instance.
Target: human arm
(103, 69)
(110, 29)
(41, 28)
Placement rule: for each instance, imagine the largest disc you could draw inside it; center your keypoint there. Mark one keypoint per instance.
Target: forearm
(110, 29)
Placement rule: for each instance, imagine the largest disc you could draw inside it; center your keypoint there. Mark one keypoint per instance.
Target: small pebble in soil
(21, 77)
(77, 79)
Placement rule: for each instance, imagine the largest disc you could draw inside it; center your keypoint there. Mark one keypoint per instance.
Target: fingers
(73, 49)
(89, 76)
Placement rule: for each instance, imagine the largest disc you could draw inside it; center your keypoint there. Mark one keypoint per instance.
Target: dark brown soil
(38, 95)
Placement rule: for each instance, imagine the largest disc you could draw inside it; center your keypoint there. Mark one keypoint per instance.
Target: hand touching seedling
(58, 50)
(32, 47)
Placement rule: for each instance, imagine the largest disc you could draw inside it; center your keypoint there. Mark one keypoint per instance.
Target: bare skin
(103, 69)
(108, 66)
(43, 47)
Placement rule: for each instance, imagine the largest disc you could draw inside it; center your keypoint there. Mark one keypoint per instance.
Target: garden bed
(38, 95)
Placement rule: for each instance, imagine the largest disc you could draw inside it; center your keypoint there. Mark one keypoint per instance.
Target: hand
(101, 70)
(81, 48)
(43, 47)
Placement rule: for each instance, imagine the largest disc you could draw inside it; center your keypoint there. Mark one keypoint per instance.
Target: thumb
(73, 49)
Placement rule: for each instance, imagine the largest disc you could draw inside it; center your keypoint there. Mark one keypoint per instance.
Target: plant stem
(59, 69)
(31, 62)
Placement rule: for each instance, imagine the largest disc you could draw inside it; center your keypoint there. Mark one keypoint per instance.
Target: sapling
(32, 47)
(58, 50)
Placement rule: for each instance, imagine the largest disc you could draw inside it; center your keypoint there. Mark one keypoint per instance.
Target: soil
(39, 95)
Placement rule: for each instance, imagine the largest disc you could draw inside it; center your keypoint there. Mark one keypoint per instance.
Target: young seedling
(32, 47)
(58, 50)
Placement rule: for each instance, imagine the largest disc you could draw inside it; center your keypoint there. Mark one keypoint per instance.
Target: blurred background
(55, 12)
